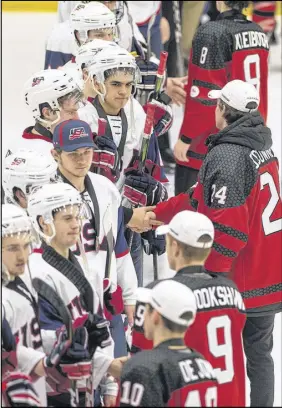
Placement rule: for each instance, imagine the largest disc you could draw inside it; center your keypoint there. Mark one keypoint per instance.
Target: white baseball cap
(171, 299)
(237, 94)
(187, 227)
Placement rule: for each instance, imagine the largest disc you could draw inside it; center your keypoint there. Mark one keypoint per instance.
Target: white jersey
(142, 11)
(122, 269)
(21, 317)
(71, 298)
(135, 116)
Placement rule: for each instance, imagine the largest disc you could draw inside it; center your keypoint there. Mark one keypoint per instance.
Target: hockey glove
(163, 114)
(153, 244)
(106, 158)
(150, 167)
(143, 190)
(148, 71)
(76, 362)
(18, 391)
(98, 332)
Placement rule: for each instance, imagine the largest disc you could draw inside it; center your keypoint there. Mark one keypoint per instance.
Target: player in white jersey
(25, 170)
(110, 74)
(110, 265)
(51, 96)
(19, 304)
(107, 21)
(56, 211)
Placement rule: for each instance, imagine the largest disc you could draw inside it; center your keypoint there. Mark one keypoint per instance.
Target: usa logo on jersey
(17, 161)
(77, 133)
(37, 81)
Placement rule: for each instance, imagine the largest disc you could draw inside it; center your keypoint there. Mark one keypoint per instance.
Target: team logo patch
(76, 133)
(37, 80)
(17, 161)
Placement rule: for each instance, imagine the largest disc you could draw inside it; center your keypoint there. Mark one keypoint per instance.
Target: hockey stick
(149, 29)
(49, 294)
(178, 38)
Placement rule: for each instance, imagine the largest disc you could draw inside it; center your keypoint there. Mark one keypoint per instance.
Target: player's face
(67, 227)
(219, 119)
(76, 163)
(69, 110)
(15, 253)
(118, 91)
(170, 251)
(148, 323)
(106, 34)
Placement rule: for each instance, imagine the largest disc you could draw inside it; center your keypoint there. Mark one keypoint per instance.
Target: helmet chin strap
(48, 238)
(49, 124)
(102, 95)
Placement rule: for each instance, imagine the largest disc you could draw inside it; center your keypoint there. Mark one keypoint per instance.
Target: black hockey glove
(18, 391)
(108, 302)
(98, 332)
(142, 189)
(153, 244)
(106, 158)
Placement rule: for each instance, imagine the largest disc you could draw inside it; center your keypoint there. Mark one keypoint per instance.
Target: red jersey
(223, 50)
(216, 333)
(238, 189)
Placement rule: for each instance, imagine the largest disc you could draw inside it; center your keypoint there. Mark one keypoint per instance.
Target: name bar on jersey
(251, 39)
(260, 157)
(193, 370)
(217, 297)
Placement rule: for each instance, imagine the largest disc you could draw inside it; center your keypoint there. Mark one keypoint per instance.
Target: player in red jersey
(223, 50)
(238, 189)
(171, 374)
(217, 331)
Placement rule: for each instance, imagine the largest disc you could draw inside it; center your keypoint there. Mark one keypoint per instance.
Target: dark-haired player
(223, 50)
(217, 330)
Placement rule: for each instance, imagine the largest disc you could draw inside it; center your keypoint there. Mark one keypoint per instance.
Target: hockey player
(89, 20)
(238, 180)
(25, 170)
(112, 72)
(189, 238)
(171, 374)
(55, 210)
(229, 48)
(20, 308)
(51, 96)
(107, 255)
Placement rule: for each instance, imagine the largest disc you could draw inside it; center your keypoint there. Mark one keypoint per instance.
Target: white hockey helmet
(91, 16)
(47, 86)
(15, 221)
(88, 51)
(49, 198)
(115, 58)
(26, 170)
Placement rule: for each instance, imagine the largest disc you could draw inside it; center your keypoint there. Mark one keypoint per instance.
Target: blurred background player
(171, 374)
(212, 64)
(25, 170)
(237, 182)
(220, 308)
(51, 96)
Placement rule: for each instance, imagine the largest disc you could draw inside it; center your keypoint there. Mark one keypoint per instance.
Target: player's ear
(44, 226)
(46, 112)
(55, 155)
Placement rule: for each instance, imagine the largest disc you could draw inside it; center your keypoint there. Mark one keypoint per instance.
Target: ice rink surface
(23, 42)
